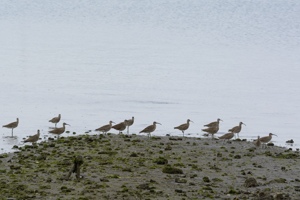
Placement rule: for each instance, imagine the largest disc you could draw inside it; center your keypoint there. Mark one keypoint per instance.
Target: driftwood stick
(78, 161)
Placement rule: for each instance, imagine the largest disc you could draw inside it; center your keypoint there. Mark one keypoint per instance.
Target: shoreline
(163, 167)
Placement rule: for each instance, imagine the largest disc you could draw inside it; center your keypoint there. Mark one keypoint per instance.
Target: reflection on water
(7, 142)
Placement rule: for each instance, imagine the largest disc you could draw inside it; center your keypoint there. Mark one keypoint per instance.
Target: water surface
(166, 61)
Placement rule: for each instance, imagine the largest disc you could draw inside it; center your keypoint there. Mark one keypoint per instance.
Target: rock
(179, 191)
(264, 195)
(133, 154)
(205, 179)
(251, 182)
(161, 161)
(270, 144)
(282, 196)
(290, 141)
(297, 188)
(104, 180)
(144, 186)
(5, 155)
(168, 148)
(14, 167)
(171, 170)
(237, 157)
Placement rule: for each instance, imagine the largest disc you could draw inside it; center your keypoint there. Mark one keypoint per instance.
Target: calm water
(161, 61)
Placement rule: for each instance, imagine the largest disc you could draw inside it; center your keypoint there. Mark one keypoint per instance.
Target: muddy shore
(135, 167)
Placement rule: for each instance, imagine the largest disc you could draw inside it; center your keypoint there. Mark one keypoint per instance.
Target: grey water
(165, 61)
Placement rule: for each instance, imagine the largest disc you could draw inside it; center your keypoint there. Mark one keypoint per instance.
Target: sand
(135, 167)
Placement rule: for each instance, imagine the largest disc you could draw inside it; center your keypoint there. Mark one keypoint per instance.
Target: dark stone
(133, 154)
(270, 144)
(171, 170)
(251, 182)
(179, 191)
(161, 161)
(205, 179)
(290, 141)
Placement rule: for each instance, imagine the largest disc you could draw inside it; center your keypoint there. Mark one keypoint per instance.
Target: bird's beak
(244, 124)
(274, 134)
(158, 123)
(191, 121)
(68, 124)
(113, 122)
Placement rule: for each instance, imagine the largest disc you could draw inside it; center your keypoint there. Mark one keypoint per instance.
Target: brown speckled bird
(237, 129)
(33, 138)
(184, 126)
(149, 129)
(227, 136)
(266, 139)
(104, 129)
(121, 126)
(12, 125)
(212, 130)
(216, 123)
(59, 131)
(55, 120)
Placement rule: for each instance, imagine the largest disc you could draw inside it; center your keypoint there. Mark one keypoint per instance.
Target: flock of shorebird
(211, 128)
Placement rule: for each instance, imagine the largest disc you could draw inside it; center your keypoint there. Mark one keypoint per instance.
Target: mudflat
(136, 167)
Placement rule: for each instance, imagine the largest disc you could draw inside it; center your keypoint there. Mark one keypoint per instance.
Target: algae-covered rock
(171, 170)
(161, 161)
(250, 182)
(205, 179)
